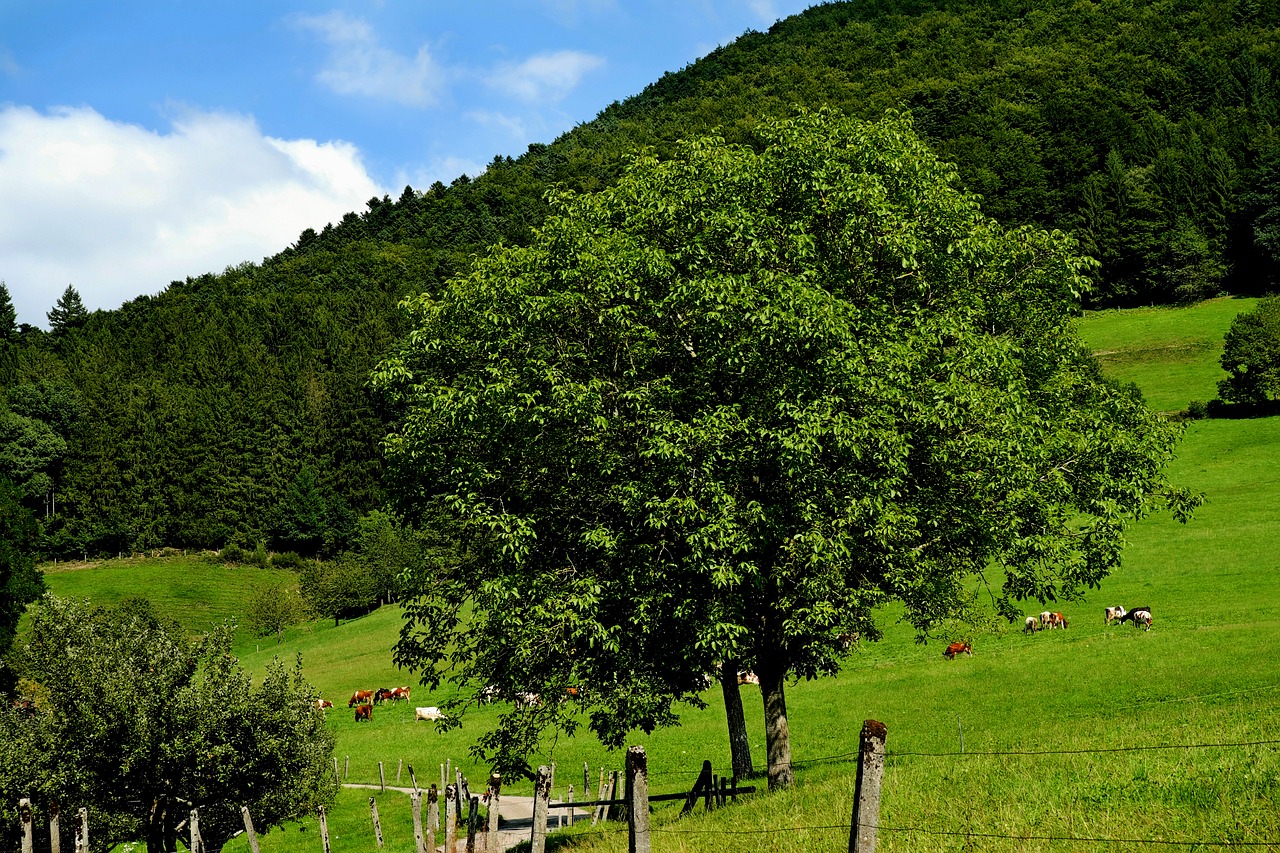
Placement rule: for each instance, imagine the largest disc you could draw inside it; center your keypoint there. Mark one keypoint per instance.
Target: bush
(1197, 410)
(233, 553)
(291, 560)
(1251, 355)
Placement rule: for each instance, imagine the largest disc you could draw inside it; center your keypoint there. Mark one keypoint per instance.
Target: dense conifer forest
(235, 408)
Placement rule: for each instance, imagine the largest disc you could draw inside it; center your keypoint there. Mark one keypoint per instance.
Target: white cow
(431, 713)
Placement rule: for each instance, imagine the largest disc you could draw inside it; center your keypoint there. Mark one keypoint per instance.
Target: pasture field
(1090, 739)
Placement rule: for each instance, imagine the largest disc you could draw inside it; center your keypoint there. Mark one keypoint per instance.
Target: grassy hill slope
(1030, 709)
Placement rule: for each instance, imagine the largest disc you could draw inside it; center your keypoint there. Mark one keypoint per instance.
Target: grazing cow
(1057, 620)
(324, 703)
(1142, 617)
(381, 696)
(1132, 616)
(956, 649)
(487, 694)
(573, 692)
(1046, 620)
(846, 641)
(399, 693)
(1031, 625)
(748, 677)
(364, 712)
(1113, 614)
(524, 699)
(431, 713)
(361, 697)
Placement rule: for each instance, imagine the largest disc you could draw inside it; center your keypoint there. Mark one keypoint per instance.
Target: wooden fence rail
(462, 810)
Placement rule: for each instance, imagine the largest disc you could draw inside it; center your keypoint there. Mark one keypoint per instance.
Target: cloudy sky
(142, 141)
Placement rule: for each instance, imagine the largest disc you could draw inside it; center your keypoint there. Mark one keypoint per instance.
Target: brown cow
(361, 697)
(364, 712)
(956, 649)
(324, 703)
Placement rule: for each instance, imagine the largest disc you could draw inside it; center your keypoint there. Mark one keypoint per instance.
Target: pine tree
(8, 316)
(68, 313)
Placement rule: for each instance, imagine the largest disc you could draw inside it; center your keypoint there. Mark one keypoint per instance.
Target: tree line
(235, 407)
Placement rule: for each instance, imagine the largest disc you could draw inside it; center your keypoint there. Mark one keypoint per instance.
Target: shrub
(288, 560)
(1197, 410)
(233, 553)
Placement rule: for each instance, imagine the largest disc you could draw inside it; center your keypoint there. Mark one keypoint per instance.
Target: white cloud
(117, 210)
(545, 77)
(359, 64)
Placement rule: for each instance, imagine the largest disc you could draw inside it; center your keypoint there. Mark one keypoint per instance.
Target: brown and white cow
(361, 697)
(956, 649)
(364, 712)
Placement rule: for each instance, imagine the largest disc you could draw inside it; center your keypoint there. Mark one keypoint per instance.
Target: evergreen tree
(68, 313)
(8, 316)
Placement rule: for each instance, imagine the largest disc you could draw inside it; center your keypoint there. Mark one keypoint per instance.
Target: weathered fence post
(464, 792)
(586, 780)
(495, 792)
(197, 843)
(473, 818)
(569, 799)
(451, 819)
(55, 838)
(866, 791)
(419, 841)
(598, 811)
(399, 767)
(433, 814)
(28, 825)
(413, 778)
(382, 777)
(541, 799)
(82, 832)
(248, 829)
(346, 767)
(703, 780)
(336, 777)
(377, 824)
(324, 830)
(637, 800)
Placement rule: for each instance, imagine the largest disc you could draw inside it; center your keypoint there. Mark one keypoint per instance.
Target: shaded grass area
(1072, 718)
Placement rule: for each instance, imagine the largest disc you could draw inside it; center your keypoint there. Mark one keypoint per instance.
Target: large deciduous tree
(727, 408)
(138, 724)
(1251, 355)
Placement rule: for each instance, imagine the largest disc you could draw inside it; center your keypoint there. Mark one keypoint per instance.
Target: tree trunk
(777, 734)
(739, 745)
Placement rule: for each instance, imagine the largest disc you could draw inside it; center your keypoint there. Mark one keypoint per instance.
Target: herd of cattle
(1047, 620)
(364, 700)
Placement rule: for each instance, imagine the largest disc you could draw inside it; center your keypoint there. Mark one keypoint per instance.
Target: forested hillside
(236, 407)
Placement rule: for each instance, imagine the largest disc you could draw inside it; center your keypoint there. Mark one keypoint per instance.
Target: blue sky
(142, 142)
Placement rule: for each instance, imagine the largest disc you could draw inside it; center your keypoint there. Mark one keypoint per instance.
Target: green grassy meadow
(1070, 738)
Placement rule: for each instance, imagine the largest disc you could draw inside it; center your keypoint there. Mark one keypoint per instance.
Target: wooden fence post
(541, 799)
(377, 824)
(248, 829)
(569, 800)
(324, 830)
(586, 780)
(451, 819)
(55, 838)
(413, 778)
(336, 777)
(866, 791)
(197, 843)
(473, 818)
(495, 792)
(399, 767)
(28, 825)
(419, 841)
(433, 814)
(637, 800)
(703, 780)
(346, 768)
(382, 777)
(82, 835)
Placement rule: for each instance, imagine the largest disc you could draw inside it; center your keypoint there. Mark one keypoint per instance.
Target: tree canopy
(139, 724)
(728, 407)
(20, 581)
(1251, 355)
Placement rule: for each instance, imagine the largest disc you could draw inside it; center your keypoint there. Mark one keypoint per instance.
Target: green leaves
(744, 397)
